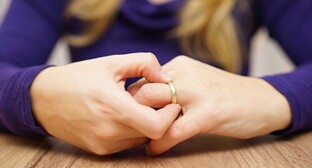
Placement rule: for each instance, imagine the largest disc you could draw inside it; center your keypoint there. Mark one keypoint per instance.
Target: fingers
(155, 126)
(137, 65)
(167, 116)
(152, 94)
(182, 129)
(126, 144)
(129, 143)
(149, 122)
(113, 147)
(134, 87)
(121, 84)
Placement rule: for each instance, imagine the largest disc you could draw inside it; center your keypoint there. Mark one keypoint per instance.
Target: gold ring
(173, 91)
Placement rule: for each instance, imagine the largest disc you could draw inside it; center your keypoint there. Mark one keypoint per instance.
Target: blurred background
(266, 56)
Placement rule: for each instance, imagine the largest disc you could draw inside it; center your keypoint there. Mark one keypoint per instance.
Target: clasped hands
(87, 105)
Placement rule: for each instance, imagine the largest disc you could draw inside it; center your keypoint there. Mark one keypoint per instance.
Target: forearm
(297, 88)
(22, 47)
(15, 103)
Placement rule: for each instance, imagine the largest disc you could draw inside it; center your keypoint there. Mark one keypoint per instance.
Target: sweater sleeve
(27, 36)
(290, 23)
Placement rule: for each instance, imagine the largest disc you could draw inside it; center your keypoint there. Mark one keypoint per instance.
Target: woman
(86, 104)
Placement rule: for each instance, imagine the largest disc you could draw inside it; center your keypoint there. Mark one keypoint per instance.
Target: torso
(143, 26)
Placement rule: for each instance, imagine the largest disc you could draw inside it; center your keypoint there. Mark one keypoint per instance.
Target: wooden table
(200, 151)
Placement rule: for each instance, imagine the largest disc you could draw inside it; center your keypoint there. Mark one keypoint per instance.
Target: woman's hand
(213, 102)
(85, 103)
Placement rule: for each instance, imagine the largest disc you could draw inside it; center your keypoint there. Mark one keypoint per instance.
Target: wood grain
(200, 151)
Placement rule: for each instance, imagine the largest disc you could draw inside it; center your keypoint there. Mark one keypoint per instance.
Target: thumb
(139, 65)
(182, 129)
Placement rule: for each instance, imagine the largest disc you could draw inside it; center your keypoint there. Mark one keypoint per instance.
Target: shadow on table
(198, 145)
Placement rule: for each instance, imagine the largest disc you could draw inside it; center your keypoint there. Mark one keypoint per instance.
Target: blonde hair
(206, 30)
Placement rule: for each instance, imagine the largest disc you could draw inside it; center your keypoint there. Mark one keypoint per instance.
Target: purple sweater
(32, 27)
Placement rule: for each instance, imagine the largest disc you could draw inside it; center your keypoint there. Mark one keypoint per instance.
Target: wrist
(38, 95)
(277, 106)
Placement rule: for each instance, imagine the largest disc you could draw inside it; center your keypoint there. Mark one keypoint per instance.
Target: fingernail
(166, 76)
(148, 151)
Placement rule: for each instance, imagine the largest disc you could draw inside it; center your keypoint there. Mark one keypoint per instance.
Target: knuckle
(104, 135)
(99, 142)
(180, 132)
(181, 58)
(147, 92)
(150, 58)
(157, 130)
(174, 133)
(180, 61)
(93, 146)
(156, 134)
(101, 150)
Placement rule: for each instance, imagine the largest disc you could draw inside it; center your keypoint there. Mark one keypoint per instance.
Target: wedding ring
(173, 91)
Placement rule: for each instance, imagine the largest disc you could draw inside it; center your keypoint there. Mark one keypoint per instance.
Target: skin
(86, 104)
(159, 2)
(213, 102)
